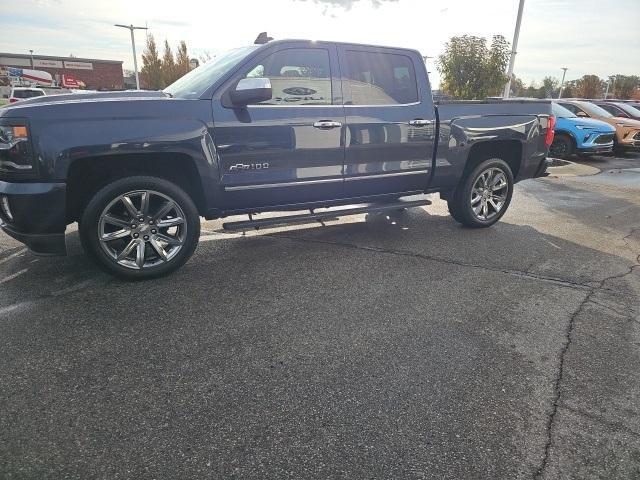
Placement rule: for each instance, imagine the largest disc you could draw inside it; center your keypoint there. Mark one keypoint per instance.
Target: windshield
(561, 112)
(196, 82)
(630, 109)
(594, 110)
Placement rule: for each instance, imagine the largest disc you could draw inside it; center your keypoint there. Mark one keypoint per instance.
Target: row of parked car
(595, 126)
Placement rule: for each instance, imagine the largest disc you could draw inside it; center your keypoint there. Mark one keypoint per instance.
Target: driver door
(288, 149)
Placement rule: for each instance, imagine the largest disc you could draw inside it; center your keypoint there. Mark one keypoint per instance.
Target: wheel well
(564, 133)
(508, 150)
(88, 175)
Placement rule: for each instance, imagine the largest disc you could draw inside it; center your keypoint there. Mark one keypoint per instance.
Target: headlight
(15, 149)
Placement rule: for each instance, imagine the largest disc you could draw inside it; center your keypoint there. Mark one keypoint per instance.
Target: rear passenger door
(390, 121)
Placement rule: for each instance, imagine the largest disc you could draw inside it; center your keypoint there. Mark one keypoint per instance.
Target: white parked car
(22, 93)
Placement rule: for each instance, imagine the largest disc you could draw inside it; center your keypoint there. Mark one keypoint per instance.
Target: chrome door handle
(419, 122)
(327, 124)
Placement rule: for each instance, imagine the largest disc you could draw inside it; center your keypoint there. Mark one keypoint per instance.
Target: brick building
(95, 74)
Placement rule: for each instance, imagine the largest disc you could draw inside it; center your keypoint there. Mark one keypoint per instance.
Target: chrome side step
(319, 216)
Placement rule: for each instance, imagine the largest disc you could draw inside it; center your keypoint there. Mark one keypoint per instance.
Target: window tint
(299, 76)
(27, 93)
(611, 109)
(572, 108)
(380, 78)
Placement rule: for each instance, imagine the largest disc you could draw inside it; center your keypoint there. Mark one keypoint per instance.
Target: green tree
(531, 91)
(549, 88)
(623, 86)
(470, 69)
(168, 66)
(151, 71)
(589, 86)
(182, 60)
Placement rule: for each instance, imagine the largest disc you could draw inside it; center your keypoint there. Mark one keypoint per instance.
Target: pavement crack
(601, 286)
(404, 253)
(558, 383)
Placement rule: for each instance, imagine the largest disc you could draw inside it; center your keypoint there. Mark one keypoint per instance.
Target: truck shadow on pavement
(399, 346)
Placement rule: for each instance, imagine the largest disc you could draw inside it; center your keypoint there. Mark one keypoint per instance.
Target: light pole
(562, 82)
(31, 53)
(514, 50)
(425, 58)
(609, 82)
(131, 28)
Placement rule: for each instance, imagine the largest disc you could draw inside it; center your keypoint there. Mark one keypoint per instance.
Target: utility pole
(609, 83)
(31, 53)
(564, 73)
(131, 28)
(514, 50)
(425, 58)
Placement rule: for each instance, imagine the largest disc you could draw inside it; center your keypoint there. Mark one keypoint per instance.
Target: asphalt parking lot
(371, 347)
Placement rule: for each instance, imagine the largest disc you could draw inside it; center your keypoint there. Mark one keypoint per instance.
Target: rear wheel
(562, 147)
(484, 195)
(140, 227)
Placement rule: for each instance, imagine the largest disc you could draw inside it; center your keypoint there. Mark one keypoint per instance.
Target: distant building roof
(50, 57)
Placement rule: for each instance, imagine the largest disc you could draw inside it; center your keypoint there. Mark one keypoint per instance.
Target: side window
(299, 76)
(380, 78)
(611, 109)
(572, 108)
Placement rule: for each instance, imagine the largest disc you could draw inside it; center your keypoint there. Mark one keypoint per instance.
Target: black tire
(562, 147)
(460, 203)
(160, 193)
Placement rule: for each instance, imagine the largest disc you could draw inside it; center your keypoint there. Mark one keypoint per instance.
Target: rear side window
(572, 108)
(27, 93)
(380, 78)
(613, 110)
(299, 76)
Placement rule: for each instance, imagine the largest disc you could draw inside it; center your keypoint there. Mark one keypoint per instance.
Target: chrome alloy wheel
(142, 229)
(489, 193)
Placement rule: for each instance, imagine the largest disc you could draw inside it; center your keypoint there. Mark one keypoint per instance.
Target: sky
(599, 37)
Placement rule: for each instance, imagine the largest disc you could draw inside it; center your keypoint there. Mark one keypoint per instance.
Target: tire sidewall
(568, 145)
(89, 222)
(464, 193)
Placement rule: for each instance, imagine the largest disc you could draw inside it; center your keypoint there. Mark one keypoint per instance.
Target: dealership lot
(400, 346)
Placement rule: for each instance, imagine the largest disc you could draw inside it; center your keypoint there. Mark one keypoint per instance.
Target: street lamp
(131, 28)
(514, 50)
(564, 73)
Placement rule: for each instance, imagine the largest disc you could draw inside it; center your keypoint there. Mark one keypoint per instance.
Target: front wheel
(483, 195)
(140, 227)
(562, 147)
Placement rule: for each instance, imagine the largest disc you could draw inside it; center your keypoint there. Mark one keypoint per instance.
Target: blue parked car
(580, 135)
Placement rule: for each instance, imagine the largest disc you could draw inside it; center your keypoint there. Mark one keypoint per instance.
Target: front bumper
(38, 215)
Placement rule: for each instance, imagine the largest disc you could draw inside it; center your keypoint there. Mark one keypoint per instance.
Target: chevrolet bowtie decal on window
(299, 91)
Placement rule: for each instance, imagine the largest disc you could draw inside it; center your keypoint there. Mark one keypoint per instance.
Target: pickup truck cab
(579, 135)
(285, 126)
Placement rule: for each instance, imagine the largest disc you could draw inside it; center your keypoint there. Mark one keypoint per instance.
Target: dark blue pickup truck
(290, 125)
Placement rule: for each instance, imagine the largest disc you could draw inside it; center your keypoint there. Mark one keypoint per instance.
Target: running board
(329, 214)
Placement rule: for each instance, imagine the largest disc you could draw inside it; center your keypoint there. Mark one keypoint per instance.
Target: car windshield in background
(27, 93)
(196, 82)
(594, 110)
(630, 109)
(561, 112)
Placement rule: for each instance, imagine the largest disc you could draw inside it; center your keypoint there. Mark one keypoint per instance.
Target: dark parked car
(619, 109)
(289, 125)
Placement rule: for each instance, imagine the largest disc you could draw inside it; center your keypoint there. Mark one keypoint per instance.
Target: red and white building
(71, 72)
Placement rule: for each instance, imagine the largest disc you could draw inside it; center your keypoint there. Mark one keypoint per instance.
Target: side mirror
(580, 113)
(251, 90)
